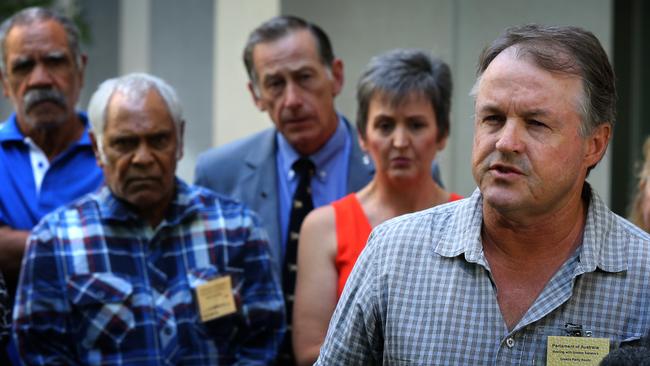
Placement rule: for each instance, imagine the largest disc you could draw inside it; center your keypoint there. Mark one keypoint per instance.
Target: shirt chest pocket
(100, 303)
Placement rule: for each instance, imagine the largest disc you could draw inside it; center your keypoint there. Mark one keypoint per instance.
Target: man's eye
(493, 119)
(22, 67)
(55, 61)
(536, 123)
(159, 141)
(123, 144)
(274, 84)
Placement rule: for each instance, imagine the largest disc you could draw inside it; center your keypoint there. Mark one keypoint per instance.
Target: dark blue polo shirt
(71, 174)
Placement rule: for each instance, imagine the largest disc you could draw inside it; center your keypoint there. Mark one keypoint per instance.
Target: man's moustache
(36, 96)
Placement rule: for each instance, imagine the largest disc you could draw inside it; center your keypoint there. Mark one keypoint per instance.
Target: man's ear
(259, 103)
(181, 136)
(337, 76)
(597, 143)
(5, 83)
(82, 68)
(96, 148)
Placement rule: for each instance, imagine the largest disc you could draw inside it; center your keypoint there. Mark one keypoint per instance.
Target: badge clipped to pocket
(578, 348)
(216, 299)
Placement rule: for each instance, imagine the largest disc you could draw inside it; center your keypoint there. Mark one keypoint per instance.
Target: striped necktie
(301, 204)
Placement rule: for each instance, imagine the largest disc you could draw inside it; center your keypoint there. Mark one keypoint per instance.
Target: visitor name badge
(215, 298)
(568, 350)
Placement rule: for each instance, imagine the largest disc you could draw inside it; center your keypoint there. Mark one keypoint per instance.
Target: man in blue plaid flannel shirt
(148, 270)
(533, 267)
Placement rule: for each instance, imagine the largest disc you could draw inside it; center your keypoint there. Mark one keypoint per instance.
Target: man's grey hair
(279, 27)
(32, 15)
(569, 50)
(399, 73)
(133, 86)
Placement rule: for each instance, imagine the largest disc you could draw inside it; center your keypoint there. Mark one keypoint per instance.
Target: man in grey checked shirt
(533, 267)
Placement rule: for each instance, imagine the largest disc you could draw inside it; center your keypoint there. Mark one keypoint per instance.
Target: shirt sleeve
(262, 301)
(354, 336)
(41, 310)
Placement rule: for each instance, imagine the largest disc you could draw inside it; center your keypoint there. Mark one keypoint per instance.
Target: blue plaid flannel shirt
(421, 293)
(100, 286)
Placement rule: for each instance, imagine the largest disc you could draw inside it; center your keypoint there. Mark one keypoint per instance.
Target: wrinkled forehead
(552, 58)
(289, 53)
(519, 62)
(39, 32)
(514, 82)
(130, 107)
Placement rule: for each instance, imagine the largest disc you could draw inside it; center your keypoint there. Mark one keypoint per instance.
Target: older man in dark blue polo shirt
(46, 159)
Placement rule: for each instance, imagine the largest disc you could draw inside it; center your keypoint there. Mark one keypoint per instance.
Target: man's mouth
(142, 180)
(296, 120)
(505, 169)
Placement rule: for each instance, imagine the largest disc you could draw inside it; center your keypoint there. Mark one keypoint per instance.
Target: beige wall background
(196, 45)
(455, 31)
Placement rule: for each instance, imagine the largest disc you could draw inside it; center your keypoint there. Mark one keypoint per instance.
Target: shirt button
(510, 342)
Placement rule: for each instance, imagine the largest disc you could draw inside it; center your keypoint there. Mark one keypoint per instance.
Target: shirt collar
(9, 131)
(185, 203)
(335, 144)
(463, 236)
(598, 250)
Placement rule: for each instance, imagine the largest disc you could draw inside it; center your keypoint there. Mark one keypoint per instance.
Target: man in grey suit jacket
(294, 77)
(246, 169)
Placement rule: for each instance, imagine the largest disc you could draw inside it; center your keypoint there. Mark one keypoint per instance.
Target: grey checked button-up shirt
(421, 293)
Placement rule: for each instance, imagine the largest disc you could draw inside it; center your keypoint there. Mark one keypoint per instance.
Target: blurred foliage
(8, 7)
(72, 10)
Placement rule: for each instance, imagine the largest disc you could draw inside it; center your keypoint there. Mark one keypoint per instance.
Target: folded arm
(316, 284)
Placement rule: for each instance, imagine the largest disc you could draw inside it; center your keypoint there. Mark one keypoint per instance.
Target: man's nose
(292, 96)
(510, 137)
(40, 76)
(142, 155)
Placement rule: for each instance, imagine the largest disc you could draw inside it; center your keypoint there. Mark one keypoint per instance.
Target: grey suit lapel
(259, 182)
(261, 185)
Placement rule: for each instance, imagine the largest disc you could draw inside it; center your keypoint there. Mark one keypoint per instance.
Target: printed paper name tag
(575, 350)
(215, 298)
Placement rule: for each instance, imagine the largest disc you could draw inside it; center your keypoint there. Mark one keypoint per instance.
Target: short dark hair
(564, 49)
(628, 356)
(397, 74)
(281, 26)
(37, 14)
